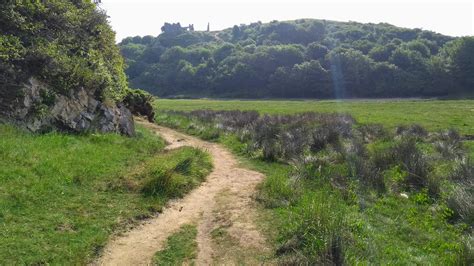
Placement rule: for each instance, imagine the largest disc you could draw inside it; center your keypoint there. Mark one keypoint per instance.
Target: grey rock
(77, 112)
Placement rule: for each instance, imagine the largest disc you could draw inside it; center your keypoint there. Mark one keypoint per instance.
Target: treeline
(301, 59)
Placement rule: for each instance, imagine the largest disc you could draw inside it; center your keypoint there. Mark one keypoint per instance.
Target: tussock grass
(349, 193)
(62, 196)
(434, 115)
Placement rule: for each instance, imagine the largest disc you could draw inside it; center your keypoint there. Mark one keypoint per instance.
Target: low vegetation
(62, 196)
(140, 103)
(344, 192)
(434, 115)
(181, 248)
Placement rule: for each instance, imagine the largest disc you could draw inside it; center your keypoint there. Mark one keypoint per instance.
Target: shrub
(294, 141)
(364, 169)
(449, 144)
(412, 161)
(266, 137)
(66, 44)
(323, 136)
(414, 130)
(372, 132)
(461, 200)
(140, 103)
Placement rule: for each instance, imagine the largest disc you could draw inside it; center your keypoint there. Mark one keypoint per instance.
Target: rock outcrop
(31, 105)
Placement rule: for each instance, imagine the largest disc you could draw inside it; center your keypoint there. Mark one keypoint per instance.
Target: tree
(236, 33)
(292, 58)
(381, 53)
(351, 71)
(459, 58)
(316, 51)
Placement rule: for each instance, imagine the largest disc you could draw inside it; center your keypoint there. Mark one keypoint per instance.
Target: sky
(145, 17)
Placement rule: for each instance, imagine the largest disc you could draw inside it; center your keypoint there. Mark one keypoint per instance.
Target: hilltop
(304, 58)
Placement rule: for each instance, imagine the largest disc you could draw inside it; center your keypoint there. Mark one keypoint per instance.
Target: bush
(294, 141)
(323, 136)
(412, 161)
(66, 44)
(449, 144)
(140, 103)
(372, 132)
(461, 200)
(414, 130)
(266, 137)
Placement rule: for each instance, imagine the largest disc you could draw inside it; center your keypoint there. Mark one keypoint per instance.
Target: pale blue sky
(145, 17)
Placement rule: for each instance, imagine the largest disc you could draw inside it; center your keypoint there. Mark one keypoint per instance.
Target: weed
(181, 248)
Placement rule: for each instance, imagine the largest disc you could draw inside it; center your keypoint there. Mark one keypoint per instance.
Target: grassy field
(333, 212)
(432, 114)
(62, 196)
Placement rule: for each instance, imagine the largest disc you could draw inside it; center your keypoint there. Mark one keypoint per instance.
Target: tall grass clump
(314, 230)
(342, 179)
(185, 169)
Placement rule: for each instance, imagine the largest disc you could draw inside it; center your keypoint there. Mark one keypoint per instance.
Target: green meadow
(62, 196)
(322, 210)
(431, 114)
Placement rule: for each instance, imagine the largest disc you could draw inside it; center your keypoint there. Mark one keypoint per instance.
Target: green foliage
(184, 170)
(181, 248)
(459, 56)
(69, 193)
(300, 59)
(366, 195)
(66, 44)
(315, 227)
(434, 115)
(139, 102)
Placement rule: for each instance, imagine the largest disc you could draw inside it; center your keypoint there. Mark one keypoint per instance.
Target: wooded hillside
(305, 58)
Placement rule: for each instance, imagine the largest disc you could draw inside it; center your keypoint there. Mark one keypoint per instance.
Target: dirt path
(222, 207)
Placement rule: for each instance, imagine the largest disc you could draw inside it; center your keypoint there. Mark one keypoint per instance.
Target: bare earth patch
(223, 207)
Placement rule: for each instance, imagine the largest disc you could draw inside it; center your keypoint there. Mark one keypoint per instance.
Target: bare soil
(223, 207)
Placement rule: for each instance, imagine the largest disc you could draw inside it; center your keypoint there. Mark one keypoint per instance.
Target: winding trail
(224, 202)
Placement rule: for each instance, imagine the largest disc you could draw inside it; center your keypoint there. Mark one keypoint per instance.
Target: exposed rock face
(77, 112)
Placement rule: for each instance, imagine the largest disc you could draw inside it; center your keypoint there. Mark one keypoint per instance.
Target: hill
(305, 58)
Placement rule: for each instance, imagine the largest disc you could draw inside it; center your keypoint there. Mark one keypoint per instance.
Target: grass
(181, 248)
(432, 114)
(62, 196)
(314, 222)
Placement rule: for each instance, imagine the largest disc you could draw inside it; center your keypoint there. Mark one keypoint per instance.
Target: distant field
(432, 114)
